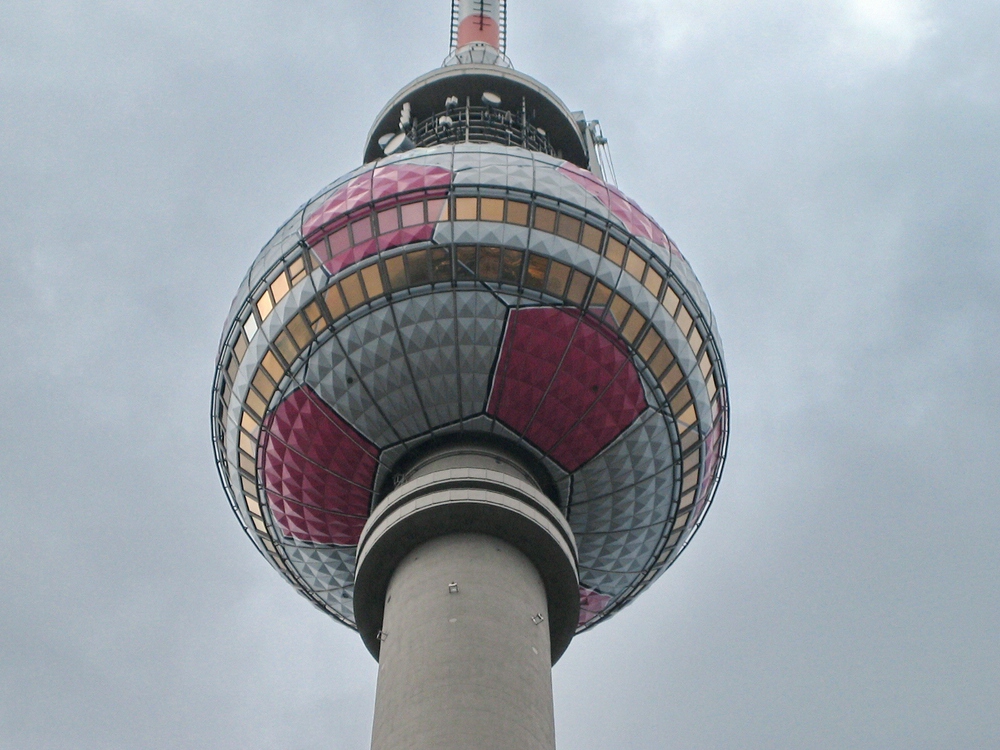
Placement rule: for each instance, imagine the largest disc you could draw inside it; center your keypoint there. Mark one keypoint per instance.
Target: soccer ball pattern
(472, 288)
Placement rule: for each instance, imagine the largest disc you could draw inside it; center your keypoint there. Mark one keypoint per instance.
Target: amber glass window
(517, 213)
(569, 227)
(297, 270)
(650, 342)
(592, 238)
(353, 293)
(633, 326)
(279, 288)
(661, 361)
(545, 219)
(558, 276)
(695, 340)
(684, 320)
(601, 295)
(335, 302)
(373, 281)
(615, 251)
(534, 278)
(578, 287)
(491, 209)
(396, 271)
(299, 331)
(264, 305)
(653, 282)
(315, 317)
(671, 378)
(465, 209)
(489, 263)
(440, 264)
(256, 403)
(416, 265)
(671, 301)
(635, 266)
(286, 347)
(619, 309)
(510, 271)
(465, 262)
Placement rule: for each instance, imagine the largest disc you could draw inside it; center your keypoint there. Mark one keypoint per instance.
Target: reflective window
(558, 276)
(465, 262)
(534, 277)
(413, 214)
(569, 227)
(671, 302)
(653, 282)
(465, 209)
(592, 237)
(615, 251)
(279, 288)
(545, 219)
(511, 269)
(264, 305)
(417, 268)
(633, 326)
(578, 288)
(695, 339)
(440, 264)
(396, 272)
(335, 302)
(491, 209)
(437, 210)
(373, 281)
(388, 220)
(489, 263)
(361, 230)
(635, 266)
(517, 213)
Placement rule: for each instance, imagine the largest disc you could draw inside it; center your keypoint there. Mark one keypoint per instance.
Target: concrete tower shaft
(466, 592)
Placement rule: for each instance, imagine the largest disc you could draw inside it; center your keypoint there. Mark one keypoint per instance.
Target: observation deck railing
(480, 125)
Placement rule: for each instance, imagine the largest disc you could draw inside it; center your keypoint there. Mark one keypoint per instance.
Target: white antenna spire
(483, 21)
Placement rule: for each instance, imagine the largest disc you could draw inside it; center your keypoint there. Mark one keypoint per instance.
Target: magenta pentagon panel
(376, 211)
(318, 471)
(634, 218)
(565, 383)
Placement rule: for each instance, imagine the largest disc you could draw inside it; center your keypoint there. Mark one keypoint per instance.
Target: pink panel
(591, 604)
(351, 256)
(565, 383)
(318, 471)
(372, 186)
(633, 217)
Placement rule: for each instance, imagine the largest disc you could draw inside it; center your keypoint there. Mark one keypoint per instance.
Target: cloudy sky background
(829, 167)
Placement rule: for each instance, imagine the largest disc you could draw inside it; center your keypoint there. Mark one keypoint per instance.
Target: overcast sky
(831, 168)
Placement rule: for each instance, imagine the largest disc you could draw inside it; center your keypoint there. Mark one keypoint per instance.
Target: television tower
(470, 399)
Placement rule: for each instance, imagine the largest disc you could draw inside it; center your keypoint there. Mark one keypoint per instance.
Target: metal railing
(480, 125)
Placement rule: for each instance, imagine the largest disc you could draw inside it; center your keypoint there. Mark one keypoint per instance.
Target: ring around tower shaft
(466, 592)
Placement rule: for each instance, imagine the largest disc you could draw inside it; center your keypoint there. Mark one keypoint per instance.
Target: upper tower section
(478, 97)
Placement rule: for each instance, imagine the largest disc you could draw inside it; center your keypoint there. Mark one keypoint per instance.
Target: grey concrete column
(466, 661)
(466, 592)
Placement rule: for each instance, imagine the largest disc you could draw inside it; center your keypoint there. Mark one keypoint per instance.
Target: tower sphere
(479, 279)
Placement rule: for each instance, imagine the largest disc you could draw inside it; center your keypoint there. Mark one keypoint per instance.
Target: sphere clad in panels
(481, 290)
